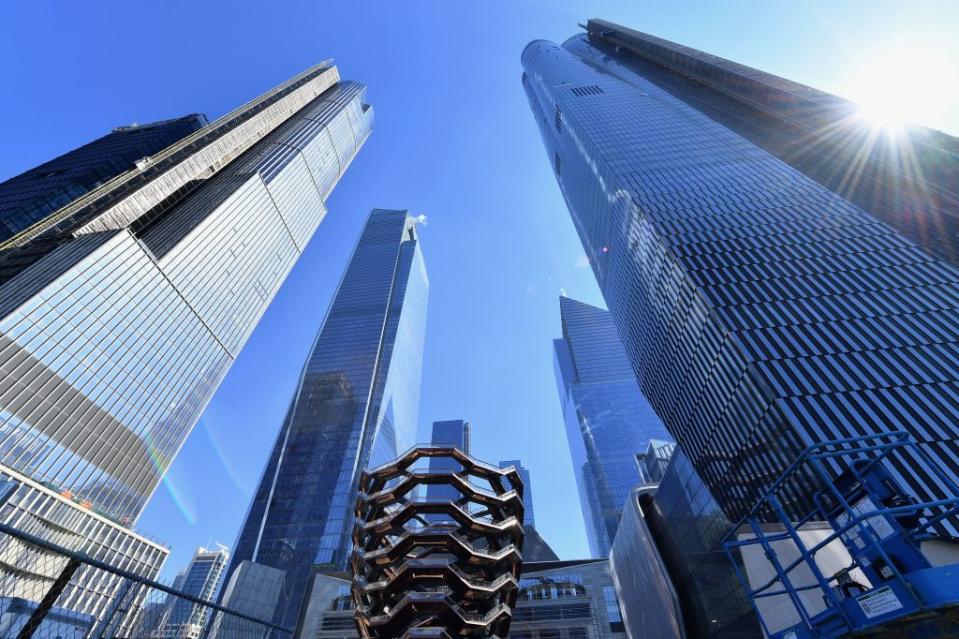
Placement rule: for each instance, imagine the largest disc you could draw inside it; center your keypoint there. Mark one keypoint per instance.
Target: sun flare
(901, 85)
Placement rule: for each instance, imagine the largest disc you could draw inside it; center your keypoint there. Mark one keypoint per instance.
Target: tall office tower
(253, 589)
(608, 421)
(528, 518)
(655, 460)
(355, 406)
(761, 312)
(535, 548)
(34, 194)
(907, 176)
(121, 311)
(453, 432)
(201, 578)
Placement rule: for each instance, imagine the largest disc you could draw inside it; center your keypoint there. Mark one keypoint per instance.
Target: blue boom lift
(892, 583)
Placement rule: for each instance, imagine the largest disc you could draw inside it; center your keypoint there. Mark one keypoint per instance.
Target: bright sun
(904, 84)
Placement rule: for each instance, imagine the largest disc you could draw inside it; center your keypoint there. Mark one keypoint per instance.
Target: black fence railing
(50, 592)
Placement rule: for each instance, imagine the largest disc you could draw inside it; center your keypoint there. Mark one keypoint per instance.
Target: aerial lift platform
(867, 559)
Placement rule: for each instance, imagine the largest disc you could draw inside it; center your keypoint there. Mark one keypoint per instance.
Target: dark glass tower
(608, 421)
(455, 432)
(908, 178)
(760, 311)
(32, 195)
(452, 432)
(355, 406)
(528, 518)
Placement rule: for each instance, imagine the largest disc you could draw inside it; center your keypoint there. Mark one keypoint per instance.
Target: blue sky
(453, 140)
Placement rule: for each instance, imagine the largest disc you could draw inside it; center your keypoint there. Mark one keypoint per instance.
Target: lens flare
(906, 83)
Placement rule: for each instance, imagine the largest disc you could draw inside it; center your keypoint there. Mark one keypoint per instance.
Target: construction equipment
(862, 557)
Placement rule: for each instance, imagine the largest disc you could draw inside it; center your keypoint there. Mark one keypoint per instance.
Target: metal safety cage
(861, 560)
(426, 567)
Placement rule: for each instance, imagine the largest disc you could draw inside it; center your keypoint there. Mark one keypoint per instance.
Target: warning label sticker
(879, 602)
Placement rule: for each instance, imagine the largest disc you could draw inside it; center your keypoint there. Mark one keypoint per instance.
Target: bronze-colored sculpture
(440, 568)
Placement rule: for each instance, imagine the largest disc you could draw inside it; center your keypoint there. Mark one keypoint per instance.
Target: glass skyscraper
(529, 519)
(202, 578)
(907, 179)
(609, 424)
(451, 431)
(34, 194)
(760, 311)
(535, 547)
(355, 406)
(454, 432)
(121, 311)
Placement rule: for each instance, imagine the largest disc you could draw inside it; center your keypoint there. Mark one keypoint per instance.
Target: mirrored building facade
(454, 432)
(355, 407)
(687, 527)
(906, 176)
(121, 312)
(529, 519)
(122, 309)
(608, 421)
(760, 311)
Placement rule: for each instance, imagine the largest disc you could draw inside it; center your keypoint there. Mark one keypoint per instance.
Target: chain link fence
(50, 592)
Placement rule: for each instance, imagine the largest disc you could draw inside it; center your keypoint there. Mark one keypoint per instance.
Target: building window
(612, 609)
(591, 89)
(557, 163)
(558, 119)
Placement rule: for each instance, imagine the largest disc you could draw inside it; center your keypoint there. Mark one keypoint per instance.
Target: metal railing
(50, 592)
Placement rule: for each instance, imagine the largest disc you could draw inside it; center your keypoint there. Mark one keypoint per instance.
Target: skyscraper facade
(535, 547)
(455, 432)
(121, 312)
(529, 518)
(355, 406)
(29, 197)
(201, 578)
(908, 179)
(451, 431)
(760, 311)
(608, 421)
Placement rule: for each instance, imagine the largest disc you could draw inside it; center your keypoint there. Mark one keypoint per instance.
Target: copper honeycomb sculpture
(442, 568)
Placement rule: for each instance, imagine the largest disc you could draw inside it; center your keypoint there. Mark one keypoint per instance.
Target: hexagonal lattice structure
(437, 568)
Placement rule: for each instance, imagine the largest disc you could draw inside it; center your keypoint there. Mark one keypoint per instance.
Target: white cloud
(421, 219)
(582, 262)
